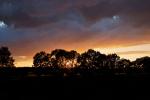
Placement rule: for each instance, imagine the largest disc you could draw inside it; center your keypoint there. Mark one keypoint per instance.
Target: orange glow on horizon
(130, 52)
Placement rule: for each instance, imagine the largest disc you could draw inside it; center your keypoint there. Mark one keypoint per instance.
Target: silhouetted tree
(63, 58)
(71, 61)
(91, 60)
(58, 57)
(112, 60)
(6, 60)
(41, 59)
(144, 63)
(123, 65)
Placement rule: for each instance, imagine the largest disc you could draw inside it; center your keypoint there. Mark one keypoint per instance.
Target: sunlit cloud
(129, 52)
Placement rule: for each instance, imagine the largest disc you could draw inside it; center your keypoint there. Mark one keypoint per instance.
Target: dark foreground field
(110, 87)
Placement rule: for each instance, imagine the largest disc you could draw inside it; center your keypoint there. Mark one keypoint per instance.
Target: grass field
(48, 86)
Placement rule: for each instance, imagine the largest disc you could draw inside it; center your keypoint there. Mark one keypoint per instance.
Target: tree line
(90, 61)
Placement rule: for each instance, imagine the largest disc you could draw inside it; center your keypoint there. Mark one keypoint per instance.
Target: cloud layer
(73, 24)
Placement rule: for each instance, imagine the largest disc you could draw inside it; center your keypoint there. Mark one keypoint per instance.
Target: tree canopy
(6, 60)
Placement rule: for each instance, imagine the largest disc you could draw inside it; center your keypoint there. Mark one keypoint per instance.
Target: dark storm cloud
(135, 10)
(17, 12)
(73, 21)
(35, 13)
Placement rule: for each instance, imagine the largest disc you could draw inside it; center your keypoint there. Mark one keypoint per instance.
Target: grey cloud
(40, 12)
(72, 21)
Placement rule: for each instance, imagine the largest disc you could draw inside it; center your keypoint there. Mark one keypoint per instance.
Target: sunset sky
(109, 26)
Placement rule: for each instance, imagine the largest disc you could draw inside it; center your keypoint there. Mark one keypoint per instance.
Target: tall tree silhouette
(6, 60)
(91, 60)
(71, 60)
(58, 57)
(63, 58)
(41, 59)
